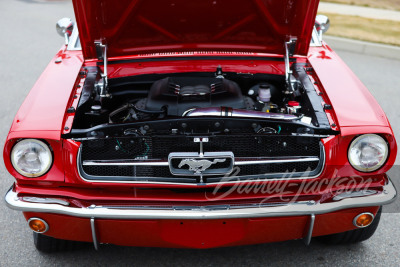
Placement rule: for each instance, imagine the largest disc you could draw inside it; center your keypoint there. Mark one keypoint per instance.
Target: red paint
(135, 27)
(199, 234)
(336, 161)
(63, 179)
(101, 194)
(256, 65)
(353, 104)
(141, 28)
(44, 107)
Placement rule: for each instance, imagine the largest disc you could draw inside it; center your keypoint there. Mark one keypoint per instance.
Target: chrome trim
(308, 237)
(238, 113)
(160, 163)
(315, 40)
(387, 196)
(288, 53)
(208, 207)
(322, 24)
(287, 176)
(197, 163)
(354, 194)
(100, 47)
(64, 27)
(250, 161)
(94, 235)
(74, 42)
(355, 219)
(43, 221)
(46, 200)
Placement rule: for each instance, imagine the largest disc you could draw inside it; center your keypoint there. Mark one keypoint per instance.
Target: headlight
(31, 158)
(368, 152)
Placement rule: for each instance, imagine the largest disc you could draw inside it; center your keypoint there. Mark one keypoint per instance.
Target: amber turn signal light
(363, 220)
(38, 225)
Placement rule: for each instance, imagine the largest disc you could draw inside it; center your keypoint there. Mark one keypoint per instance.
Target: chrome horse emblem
(199, 166)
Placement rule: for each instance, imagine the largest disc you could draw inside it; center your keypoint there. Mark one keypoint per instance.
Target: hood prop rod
(101, 50)
(289, 52)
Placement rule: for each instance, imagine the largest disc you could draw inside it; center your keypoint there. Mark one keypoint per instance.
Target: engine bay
(179, 95)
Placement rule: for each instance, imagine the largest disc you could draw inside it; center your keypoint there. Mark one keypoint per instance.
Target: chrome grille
(145, 159)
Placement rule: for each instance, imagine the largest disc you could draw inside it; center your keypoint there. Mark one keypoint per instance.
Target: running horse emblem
(199, 166)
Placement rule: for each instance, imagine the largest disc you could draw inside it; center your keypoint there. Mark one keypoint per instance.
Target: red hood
(131, 27)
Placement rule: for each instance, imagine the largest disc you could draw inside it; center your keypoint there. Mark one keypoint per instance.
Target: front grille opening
(140, 149)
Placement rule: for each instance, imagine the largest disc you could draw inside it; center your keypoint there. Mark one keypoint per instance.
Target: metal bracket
(289, 52)
(101, 50)
(307, 238)
(201, 140)
(94, 234)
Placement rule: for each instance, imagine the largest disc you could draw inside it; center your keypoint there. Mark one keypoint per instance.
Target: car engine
(154, 97)
(203, 96)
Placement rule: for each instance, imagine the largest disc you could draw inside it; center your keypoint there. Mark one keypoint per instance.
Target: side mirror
(322, 25)
(64, 28)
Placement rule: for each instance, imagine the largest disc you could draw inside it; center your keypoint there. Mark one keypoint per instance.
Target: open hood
(131, 27)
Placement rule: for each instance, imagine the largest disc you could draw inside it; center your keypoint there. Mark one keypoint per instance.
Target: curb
(361, 47)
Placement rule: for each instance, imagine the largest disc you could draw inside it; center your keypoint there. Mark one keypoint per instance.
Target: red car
(198, 124)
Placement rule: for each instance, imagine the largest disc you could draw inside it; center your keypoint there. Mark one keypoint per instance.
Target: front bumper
(43, 205)
(200, 227)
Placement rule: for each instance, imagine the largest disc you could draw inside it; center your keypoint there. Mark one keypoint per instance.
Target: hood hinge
(290, 47)
(101, 50)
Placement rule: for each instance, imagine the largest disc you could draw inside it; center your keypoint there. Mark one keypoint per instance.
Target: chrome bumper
(51, 205)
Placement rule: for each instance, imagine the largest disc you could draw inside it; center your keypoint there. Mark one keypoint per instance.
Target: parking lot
(29, 40)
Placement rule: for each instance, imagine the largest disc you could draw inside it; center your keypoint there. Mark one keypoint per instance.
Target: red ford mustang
(198, 124)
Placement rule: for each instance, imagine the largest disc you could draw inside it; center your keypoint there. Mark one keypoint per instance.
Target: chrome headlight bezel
(22, 144)
(381, 162)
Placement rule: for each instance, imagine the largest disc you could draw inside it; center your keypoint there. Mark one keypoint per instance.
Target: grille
(159, 147)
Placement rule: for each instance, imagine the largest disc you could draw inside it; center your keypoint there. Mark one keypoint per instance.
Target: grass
(385, 4)
(372, 30)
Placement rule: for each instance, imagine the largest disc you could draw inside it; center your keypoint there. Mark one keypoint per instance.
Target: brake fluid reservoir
(264, 93)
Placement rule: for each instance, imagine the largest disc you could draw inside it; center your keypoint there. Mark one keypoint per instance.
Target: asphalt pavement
(28, 41)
